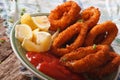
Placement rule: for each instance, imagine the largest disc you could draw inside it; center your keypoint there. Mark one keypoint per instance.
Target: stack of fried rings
(96, 62)
(77, 37)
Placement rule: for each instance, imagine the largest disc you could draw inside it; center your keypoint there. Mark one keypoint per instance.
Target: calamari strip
(82, 52)
(108, 68)
(90, 61)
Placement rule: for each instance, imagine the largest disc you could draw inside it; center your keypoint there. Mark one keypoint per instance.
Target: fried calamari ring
(64, 44)
(108, 27)
(64, 15)
(108, 68)
(90, 16)
(90, 61)
(82, 52)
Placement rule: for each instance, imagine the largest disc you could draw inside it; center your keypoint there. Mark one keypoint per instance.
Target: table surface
(10, 66)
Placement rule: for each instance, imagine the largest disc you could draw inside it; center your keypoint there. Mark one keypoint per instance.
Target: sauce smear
(50, 65)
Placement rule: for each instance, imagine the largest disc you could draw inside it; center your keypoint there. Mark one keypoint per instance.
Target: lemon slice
(28, 45)
(44, 39)
(35, 34)
(27, 19)
(42, 22)
(23, 31)
(42, 43)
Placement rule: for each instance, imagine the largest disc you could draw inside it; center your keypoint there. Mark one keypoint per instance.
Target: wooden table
(10, 66)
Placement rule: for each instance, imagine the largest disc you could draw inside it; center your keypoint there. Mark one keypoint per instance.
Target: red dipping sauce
(50, 65)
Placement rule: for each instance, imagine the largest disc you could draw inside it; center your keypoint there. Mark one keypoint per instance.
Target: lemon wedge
(44, 39)
(42, 22)
(28, 45)
(27, 19)
(42, 43)
(23, 31)
(35, 34)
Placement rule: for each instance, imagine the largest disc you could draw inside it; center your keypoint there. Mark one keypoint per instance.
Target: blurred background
(110, 9)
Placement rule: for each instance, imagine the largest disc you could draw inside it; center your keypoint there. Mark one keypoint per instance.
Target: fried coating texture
(81, 52)
(90, 16)
(109, 28)
(108, 68)
(90, 61)
(64, 15)
(79, 29)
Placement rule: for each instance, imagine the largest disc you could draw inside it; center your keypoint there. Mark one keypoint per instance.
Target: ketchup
(50, 65)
